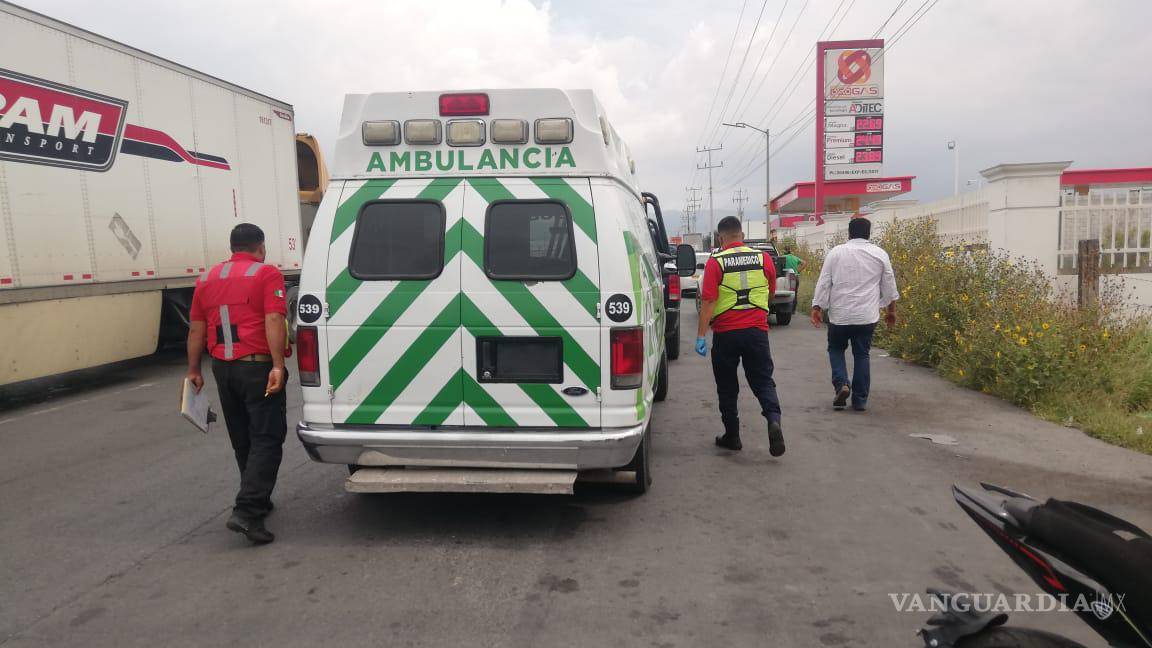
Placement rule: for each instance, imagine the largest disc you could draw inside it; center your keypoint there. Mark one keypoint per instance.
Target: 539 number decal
(618, 307)
(309, 309)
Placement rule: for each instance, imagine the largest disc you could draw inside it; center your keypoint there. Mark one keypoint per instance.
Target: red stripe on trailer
(4, 281)
(151, 272)
(188, 270)
(135, 273)
(86, 276)
(201, 269)
(68, 277)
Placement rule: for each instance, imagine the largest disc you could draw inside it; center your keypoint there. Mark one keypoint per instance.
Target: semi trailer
(121, 175)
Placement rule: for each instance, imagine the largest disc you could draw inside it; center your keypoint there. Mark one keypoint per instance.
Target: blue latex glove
(701, 346)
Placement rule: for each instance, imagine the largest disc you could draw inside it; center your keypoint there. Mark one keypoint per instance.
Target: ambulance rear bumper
(472, 447)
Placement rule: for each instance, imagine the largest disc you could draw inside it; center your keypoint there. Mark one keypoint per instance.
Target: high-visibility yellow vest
(743, 285)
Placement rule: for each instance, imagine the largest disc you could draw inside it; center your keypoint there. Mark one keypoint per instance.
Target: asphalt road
(112, 532)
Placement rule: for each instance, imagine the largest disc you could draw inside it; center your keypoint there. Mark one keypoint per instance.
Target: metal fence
(1120, 217)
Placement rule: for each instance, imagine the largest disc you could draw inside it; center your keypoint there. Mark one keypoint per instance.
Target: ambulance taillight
(308, 356)
(674, 287)
(464, 104)
(627, 357)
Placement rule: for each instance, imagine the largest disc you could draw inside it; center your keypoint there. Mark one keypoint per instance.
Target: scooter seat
(1115, 552)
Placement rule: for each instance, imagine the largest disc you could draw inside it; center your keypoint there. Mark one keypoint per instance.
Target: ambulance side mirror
(685, 260)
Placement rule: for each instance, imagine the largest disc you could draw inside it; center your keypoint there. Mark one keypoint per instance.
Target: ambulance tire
(661, 390)
(672, 345)
(640, 467)
(783, 319)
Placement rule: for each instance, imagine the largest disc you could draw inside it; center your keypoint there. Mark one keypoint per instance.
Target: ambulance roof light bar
(464, 104)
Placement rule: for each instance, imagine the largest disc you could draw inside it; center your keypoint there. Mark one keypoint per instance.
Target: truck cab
(482, 293)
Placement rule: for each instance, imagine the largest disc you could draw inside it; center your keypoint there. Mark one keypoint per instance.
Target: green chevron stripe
(582, 213)
(580, 286)
(384, 316)
(379, 322)
(346, 212)
(633, 248)
(404, 370)
(443, 403)
(345, 284)
(553, 405)
(484, 405)
(534, 313)
(340, 290)
(557, 409)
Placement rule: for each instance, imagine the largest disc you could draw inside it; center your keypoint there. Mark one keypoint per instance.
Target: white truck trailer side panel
(196, 157)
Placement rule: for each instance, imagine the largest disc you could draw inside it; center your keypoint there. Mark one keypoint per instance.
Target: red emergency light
(463, 104)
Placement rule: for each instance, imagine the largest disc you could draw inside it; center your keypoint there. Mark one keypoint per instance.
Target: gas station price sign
(852, 101)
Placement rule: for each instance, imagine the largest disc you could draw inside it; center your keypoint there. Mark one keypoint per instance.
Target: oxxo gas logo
(854, 67)
(854, 74)
(42, 122)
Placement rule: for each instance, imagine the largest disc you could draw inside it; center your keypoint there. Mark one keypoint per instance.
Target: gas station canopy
(840, 196)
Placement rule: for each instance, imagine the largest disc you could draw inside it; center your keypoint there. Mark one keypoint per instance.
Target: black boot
(252, 529)
(775, 439)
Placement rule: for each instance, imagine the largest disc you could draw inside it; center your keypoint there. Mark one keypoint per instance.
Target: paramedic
(734, 295)
(238, 311)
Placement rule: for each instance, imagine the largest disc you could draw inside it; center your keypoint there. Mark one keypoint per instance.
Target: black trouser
(257, 427)
(751, 345)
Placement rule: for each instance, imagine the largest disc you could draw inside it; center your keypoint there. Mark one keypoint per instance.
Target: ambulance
(481, 303)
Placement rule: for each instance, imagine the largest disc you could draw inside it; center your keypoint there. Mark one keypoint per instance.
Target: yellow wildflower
(936, 315)
(997, 354)
(964, 297)
(1045, 326)
(961, 372)
(1023, 341)
(1083, 348)
(1104, 334)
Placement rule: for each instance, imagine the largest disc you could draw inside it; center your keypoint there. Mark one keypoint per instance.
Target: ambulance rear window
(398, 239)
(529, 240)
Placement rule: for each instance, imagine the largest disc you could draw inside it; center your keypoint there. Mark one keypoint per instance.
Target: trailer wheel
(292, 298)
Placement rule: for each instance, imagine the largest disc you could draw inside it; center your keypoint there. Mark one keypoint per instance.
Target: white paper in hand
(195, 407)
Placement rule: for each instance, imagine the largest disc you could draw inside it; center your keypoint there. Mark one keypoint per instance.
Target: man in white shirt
(855, 283)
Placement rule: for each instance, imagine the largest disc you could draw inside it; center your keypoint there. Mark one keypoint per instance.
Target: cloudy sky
(1026, 80)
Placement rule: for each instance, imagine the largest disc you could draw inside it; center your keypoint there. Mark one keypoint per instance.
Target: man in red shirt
(238, 311)
(734, 296)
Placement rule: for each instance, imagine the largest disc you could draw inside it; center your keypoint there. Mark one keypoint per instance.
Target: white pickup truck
(783, 303)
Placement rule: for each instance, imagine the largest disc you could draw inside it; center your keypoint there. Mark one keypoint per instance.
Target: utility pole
(740, 198)
(693, 209)
(710, 166)
(690, 208)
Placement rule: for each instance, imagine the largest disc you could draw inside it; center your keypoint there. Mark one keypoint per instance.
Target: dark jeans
(751, 346)
(257, 427)
(860, 337)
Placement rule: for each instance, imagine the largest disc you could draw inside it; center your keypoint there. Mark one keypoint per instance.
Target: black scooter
(1092, 562)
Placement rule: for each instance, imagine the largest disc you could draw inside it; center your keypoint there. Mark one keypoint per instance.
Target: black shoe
(253, 530)
(842, 395)
(775, 439)
(730, 441)
(860, 407)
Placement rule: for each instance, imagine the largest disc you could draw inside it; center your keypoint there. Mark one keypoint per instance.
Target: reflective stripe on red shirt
(735, 319)
(232, 298)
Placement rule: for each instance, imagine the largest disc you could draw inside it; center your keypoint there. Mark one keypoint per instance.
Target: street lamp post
(767, 168)
(955, 148)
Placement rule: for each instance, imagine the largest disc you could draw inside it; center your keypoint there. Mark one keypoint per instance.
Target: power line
(797, 75)
(739, 70)
(775, 60)
(794, 83)
(723, 72)
(911, 22)
(759, 62)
